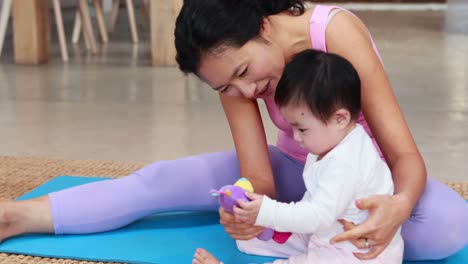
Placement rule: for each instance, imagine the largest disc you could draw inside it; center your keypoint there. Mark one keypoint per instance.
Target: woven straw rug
(21, 175)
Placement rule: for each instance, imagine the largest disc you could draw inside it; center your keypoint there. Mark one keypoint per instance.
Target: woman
(240, 48)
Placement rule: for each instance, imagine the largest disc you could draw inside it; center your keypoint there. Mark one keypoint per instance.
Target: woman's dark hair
(204, 25)
(325, 82)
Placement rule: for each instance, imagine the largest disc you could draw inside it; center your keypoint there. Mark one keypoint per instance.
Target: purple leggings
(436, 228)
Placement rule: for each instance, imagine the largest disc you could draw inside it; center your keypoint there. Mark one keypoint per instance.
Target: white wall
(457, 16)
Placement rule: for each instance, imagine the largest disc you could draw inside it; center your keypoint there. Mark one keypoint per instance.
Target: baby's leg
(324, 256)
(296, 245)
(320, 252)
(202, 256)
(437, 227)
(330, 255)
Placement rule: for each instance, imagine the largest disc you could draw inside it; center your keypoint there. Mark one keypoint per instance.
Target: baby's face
(309, 131)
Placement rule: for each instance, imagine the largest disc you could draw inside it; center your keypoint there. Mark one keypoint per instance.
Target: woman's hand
(386, 214)
(238, 230)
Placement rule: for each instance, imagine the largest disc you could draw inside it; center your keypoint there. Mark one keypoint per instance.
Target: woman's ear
(342, 118)
(265, 31)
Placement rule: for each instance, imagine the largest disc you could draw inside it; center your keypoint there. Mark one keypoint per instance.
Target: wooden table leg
(31, 31)
(163, 15)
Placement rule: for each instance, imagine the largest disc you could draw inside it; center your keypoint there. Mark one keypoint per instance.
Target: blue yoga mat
(165, 238)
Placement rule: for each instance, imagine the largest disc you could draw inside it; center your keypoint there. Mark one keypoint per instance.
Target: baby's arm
(335, 190)
(247, 212)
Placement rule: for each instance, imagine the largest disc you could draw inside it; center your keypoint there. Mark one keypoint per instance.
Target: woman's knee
(437, 227)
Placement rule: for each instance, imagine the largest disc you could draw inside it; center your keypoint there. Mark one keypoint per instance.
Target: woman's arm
(347, 36)
(250, 141)
(249, 138)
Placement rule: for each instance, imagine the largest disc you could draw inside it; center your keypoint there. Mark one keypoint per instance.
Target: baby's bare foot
(202, 256)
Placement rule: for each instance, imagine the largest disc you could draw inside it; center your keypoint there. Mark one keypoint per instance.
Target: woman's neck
(292, 33)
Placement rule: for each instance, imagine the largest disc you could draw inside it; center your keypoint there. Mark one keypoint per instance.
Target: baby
(319, 96)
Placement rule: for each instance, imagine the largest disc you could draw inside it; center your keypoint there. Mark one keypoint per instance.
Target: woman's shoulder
(345, 20)
(344, 28)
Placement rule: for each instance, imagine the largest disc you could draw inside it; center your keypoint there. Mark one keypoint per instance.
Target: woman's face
(251, 71)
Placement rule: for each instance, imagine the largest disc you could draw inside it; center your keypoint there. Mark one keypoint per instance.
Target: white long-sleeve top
(350, 171)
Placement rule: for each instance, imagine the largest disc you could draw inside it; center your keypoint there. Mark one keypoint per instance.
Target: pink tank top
(286, 142)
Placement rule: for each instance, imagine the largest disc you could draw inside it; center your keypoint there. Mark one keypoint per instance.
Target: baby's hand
(247, 212)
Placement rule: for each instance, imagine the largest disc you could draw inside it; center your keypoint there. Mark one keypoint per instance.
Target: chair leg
(87, 26)
(114, 14)
(60, 30)
(76, 28)
(131, 19)
(86, 40)
(4, 16)
(100, 20)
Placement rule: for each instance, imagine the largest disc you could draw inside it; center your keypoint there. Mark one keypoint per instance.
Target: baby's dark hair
(325, 82)
(204, 25)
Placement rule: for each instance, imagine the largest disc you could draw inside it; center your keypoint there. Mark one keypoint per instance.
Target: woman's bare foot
(202, 256)
(30, 216)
